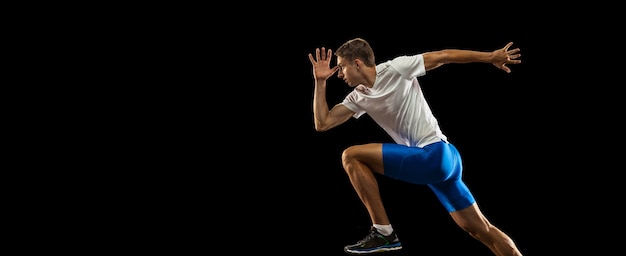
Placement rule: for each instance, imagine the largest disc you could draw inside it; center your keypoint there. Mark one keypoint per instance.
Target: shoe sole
(377, 250)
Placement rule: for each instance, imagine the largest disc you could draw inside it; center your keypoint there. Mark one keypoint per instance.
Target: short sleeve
(409, 66)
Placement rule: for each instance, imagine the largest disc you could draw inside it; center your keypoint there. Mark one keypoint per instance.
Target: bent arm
(324, 118)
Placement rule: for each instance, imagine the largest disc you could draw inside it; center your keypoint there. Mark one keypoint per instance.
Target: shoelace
(373, 234)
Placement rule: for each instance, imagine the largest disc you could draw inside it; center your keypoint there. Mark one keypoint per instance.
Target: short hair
(357, 48)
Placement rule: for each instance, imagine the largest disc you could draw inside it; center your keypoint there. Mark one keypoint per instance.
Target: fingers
(507, 46)
(317, 56)
(326, 54)
(514, 51)
(317, 53)
(512, 56)
(311, 58)
(321, 55)
(505, 68)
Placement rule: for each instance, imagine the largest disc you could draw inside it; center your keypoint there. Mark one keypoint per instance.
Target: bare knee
(349, 157)
(363, 157)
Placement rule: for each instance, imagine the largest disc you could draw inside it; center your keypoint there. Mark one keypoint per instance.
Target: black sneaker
(375, 242)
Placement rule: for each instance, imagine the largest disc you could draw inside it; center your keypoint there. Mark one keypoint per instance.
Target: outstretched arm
(324, 118)
(499, 58)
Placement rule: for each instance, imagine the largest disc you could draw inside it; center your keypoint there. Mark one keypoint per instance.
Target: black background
(235, 164)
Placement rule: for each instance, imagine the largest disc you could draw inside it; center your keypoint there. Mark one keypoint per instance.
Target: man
(392, 96)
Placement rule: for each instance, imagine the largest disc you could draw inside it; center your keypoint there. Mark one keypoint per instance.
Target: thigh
(453, 195)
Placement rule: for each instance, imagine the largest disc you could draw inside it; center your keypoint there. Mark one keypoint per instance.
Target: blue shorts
(437, 165)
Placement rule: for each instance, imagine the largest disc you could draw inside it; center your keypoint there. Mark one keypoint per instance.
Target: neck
(369, 75)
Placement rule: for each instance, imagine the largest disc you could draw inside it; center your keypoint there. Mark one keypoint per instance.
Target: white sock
(384, 229)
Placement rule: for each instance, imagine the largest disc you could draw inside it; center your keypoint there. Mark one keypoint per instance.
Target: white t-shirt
(397, 104)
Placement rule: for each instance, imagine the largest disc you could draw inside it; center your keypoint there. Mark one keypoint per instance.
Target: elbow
(319, 127)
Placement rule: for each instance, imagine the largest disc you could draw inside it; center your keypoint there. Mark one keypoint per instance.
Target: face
(347, 72)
